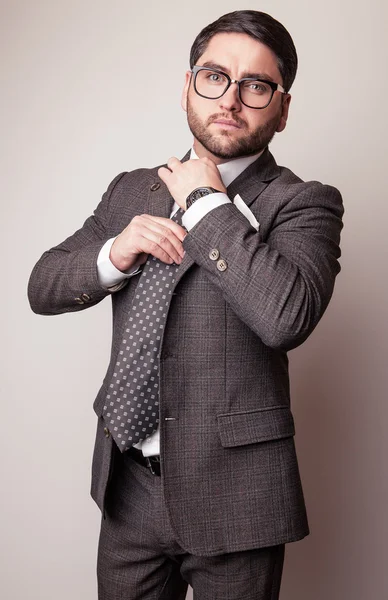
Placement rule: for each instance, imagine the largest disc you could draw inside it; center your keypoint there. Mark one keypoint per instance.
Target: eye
(256, 87)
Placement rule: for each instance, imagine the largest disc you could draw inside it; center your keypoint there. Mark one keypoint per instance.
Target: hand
(182, 178)
(145, 235)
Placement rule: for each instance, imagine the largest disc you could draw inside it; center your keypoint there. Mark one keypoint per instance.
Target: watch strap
(199, 193)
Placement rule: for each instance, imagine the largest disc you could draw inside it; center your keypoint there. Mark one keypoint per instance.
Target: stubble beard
(224, 145)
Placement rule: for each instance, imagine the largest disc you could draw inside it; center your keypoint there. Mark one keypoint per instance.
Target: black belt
(151, 462)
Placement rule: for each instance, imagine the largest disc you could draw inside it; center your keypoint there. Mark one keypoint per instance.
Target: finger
(173, 162)
(206, 160)
(166, 239)
(165, 235)
(209, 163)
(177, 229)
(164, 174)
(160, 246)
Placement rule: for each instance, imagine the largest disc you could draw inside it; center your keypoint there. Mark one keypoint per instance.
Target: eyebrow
(213, 65)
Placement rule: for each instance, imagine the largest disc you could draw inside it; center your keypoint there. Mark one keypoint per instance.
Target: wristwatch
(199, 193)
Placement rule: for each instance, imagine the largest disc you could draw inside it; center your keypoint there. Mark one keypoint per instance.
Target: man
(217, 265)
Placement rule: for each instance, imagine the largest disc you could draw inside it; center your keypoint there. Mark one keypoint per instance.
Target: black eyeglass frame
(274, 86)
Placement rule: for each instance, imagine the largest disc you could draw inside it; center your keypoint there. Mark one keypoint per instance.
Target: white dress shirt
(109, 276)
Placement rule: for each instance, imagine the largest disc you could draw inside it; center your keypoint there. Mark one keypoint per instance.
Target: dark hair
(259, 26)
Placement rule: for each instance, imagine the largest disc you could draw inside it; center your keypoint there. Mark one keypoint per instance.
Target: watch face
(199, 193)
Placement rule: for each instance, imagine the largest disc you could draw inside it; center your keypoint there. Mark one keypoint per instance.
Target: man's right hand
(145, 235)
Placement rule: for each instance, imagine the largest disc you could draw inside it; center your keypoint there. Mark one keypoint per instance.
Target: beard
(223, 144)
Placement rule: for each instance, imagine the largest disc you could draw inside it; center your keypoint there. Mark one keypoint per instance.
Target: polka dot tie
(131, 408)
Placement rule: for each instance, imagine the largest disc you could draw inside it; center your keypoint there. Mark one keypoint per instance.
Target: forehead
(241, 55)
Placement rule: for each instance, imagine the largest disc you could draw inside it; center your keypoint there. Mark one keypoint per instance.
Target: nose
(230, 101)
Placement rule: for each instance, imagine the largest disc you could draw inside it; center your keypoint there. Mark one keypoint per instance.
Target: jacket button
(214, 254)
(107, 432)
(79, 300)
(86, 297)
(154, 187)
(222, 265)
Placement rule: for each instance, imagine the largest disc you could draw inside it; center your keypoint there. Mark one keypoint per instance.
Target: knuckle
(136, 219)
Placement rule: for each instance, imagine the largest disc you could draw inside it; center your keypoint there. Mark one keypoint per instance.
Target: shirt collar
(232, 169)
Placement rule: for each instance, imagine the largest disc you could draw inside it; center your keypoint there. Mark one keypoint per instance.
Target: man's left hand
(183, 178)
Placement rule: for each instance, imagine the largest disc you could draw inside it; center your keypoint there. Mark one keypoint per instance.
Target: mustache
(234, 118)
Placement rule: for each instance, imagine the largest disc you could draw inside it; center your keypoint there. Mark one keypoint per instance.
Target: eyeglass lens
(211, 84)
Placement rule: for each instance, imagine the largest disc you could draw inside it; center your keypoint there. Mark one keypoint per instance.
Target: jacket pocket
(262, 425)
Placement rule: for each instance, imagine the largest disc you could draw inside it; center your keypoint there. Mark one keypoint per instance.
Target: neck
(202, 152)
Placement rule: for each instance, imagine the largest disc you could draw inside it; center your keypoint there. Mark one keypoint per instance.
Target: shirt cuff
(201, 207)
(108, 275)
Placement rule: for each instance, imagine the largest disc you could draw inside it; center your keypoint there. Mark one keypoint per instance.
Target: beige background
(73, 118)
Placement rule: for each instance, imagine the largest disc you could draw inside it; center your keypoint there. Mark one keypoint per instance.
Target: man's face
(238, 55)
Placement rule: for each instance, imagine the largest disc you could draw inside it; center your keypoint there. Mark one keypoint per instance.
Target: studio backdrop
(74, 116)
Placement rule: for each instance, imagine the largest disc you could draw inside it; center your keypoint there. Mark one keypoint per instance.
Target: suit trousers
(140, 558)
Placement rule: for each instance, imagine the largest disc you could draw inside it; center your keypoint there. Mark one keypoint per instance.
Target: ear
(186, 90)
(285, 108)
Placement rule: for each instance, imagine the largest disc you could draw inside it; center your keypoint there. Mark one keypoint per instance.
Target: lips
(227, 122)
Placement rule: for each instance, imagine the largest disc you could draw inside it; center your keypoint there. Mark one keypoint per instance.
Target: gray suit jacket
(229, 467)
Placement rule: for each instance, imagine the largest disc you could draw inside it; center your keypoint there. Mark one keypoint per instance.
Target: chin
(224, 150)
(226, 154)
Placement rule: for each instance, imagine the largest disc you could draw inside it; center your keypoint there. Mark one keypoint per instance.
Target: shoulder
(127, 194)
(134, 179)
(289, 188)
(139, 178)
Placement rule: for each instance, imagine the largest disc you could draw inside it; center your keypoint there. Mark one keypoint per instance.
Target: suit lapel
(255, 178)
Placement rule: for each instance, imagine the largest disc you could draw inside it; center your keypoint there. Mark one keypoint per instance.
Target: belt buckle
(150, 466)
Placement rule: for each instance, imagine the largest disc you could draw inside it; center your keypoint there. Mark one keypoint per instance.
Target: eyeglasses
(254, 93)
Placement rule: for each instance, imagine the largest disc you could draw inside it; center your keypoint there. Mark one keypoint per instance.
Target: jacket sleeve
(280, 286)
(65, 278)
